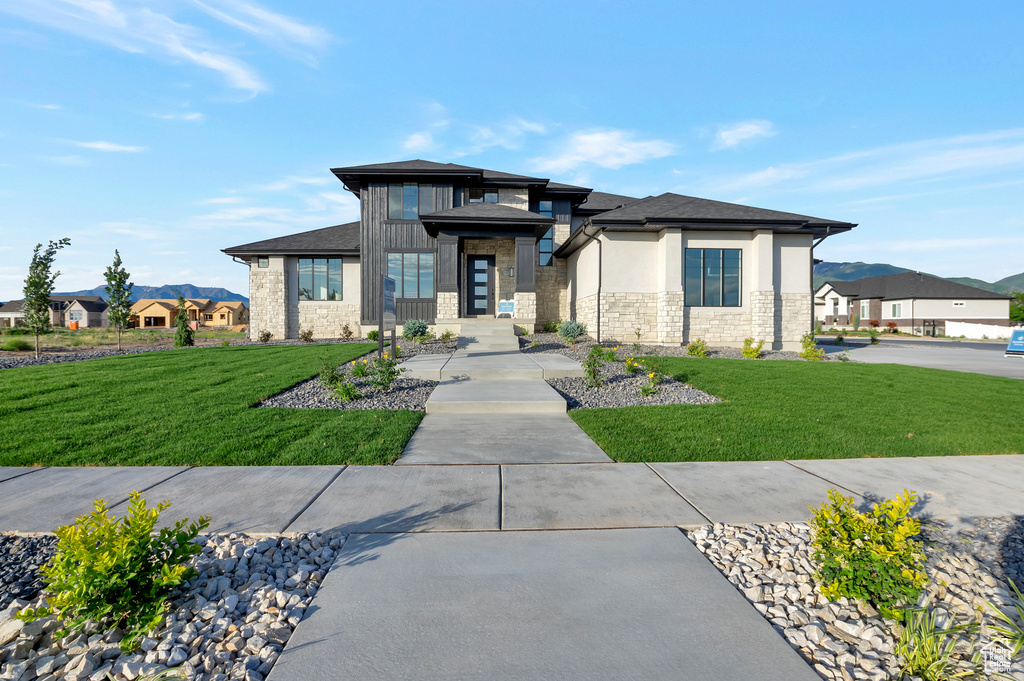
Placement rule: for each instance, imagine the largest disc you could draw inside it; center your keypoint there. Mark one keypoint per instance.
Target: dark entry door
(480, 300)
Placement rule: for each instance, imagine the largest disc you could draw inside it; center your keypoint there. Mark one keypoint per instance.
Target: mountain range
(167, 291)
(851, 271)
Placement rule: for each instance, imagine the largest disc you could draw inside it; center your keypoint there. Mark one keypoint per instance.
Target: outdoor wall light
(511, 271)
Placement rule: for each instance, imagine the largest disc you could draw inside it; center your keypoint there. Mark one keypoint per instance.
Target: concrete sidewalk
(954, 359)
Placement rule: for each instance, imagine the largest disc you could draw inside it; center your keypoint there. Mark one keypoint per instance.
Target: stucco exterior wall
(326, 318)
(971, 309)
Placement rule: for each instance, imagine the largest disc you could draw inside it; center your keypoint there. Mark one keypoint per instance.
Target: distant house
(915, 302)
(88, 313)
(160, 313)
(13, 313)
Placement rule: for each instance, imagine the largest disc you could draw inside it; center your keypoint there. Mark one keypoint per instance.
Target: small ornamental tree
(39, 287)
(1017, 307)
(184, 336)
(119, 296)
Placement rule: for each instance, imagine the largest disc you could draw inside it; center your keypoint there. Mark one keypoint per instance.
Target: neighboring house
(88, 313)
(12, 314)
(153, 312)
(459, 240)
(915, 302)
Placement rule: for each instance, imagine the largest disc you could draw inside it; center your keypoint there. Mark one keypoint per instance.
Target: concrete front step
(495, 397)
(495, 329)
(488, 344)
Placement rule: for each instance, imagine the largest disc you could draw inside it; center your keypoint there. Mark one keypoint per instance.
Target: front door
(480, 300)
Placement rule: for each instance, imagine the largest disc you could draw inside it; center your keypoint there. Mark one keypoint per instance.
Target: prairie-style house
(462, 242)
(161, 312)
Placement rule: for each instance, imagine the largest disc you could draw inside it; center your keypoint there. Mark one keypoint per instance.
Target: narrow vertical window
(305, 279)
(426, 199)
(395, 271)
(545, 246)
(694, 266)
(712, 277)
(731, 277)
(426, 265)
(410, 200)
(395, 201)
(334, 279)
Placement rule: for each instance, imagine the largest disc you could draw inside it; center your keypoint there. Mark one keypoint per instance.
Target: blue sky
(172, 129)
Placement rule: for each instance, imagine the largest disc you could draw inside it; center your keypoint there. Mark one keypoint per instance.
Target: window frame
(334, 272)
(484, 193)
(896, 310)
(402, 205)
(262, 262)
(400, 280)
(75, 315)
(865, 309)
(722, 274)
(548, 240)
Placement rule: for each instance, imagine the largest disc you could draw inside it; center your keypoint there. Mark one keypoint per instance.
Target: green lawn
(188, 407)
(804, 410)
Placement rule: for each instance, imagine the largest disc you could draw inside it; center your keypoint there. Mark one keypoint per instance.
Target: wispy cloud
(606, 148)
(292, 182)
(193, 116)
(419, 141)
(48, 107)
(223, 200)
(446, 135)
(733, 135)
(930, 160)
(134, 26)
(100, 145)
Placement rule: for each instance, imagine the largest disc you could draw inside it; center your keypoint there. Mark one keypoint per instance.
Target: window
(319, 278)
(959, 303)
(408, 201)
(712, 277)
(547, 242)
(865, 309)
(75, 316)
(897, 310)
(413, 274)
(223, 316)
(483, 196)
(207, 317)
(263, 261)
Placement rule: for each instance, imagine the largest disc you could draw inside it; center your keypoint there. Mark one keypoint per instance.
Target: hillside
(168, 291)
(851, 271)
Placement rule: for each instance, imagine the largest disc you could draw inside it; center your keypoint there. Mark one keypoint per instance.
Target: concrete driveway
(972, 359)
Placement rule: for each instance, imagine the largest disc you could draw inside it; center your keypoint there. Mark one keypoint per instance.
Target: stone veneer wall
(716, 324)
(526, 307)
(552, 293)
(795, 317)
(764, 316)
(447, 305)
(586, 313)
(670, 317)
(622, 313)
(326, 318)
(267, 299)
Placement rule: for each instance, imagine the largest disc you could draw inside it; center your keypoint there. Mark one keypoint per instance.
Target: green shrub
(550, 327)
(447, 335)
(571, 330)
(360, 368)
(18, 331)
(839, 339)
(654, 379)
(868, 556)
(116, 571)
(810, 350)
(264, 337)
(373, 335)
(16, 345)
(347, 392)
(697, 348)
(856, 322)
(346, 331)
(1011, 626)
(330, 377)
(874, 333)
(592, 366)
(632, 365)
(927, 647)
(225, 343)
(385, 371)
(750, 350)
(414, 328)
(306, 335)
(818, 329)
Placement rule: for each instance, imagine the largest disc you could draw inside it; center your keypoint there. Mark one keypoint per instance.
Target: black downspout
(583, 230)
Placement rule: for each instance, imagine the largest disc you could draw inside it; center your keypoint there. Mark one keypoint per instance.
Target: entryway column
(447, 276)
(526, 284)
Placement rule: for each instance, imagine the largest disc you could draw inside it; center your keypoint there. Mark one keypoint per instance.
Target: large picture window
(712, 277)
(319, 278)
(408, 201)
(547, 242)
(413, 274)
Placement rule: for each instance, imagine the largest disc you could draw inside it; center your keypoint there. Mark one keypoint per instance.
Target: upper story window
(319, 278)
(547, 242)
(712, 277)
(408, 201)
(263, 261)
(483, 195)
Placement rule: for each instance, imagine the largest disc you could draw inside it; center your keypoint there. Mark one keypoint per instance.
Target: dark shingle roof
(336, 239)
(679, 208)
(18, 305)
(92, 305)
(600, 202)
(907, 285)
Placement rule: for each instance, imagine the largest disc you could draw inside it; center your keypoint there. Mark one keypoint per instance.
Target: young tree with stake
(184, 336)
(119, 296)
(39, 287)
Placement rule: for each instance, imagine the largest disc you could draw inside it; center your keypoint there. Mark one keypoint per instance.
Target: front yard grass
(803, 410)
(189, 407)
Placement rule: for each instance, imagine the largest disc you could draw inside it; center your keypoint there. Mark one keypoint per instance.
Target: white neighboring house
(88, 313)
(914, 302)
(13, 314)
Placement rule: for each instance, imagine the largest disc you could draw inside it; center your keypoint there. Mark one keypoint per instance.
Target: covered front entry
(480, 289)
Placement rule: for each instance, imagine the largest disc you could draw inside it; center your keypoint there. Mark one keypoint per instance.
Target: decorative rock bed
(231, 622)
(771, 566)
(552, 342)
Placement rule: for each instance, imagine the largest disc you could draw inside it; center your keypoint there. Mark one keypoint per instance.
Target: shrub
(651, 387)
(868, 556)
(571, 330)
(16, 345)
(346, 331)
(874, 335)
(632, 365)
(810, 350)
(347, 392)
(892, 326)
(611, 354)
(839, 339)
(330, 377)
(856, 322)
(373, 335)
(413, 329)
(306, 336)
(750, 350)
(384, 372)
(116, 571)
(184, 336)
(1011, 626)
(817, 327)
(225, 343)
(360, 368)
(265, 336)
(873, 322)
(592, 366)
(447, 335)
(550, 327)
(926, 647)
(697, 348)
